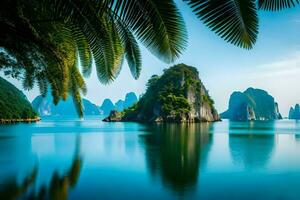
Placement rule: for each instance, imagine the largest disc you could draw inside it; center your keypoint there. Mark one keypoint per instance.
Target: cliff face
(295, 112)
(252, 104)
(176, 96)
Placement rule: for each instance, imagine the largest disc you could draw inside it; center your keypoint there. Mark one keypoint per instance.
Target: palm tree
(43, 41)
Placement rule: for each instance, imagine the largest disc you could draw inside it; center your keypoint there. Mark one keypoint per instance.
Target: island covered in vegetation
(14, 106)
(176, 96)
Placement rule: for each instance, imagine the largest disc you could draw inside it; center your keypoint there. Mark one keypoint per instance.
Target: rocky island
(176, 96)
(252, 104)
(14, 106)
(294, 113)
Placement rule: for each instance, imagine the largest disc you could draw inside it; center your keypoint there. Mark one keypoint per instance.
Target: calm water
(72, 159)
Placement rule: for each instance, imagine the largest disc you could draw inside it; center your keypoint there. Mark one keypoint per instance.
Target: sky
(272, 65)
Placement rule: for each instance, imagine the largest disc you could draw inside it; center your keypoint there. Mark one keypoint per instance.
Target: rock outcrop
(294, 112)
(176, 96)
(252, 104)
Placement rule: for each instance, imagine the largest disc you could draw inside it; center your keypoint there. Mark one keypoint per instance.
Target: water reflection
(58, 188)
(252, 144)
(11, 189)
(174, 152)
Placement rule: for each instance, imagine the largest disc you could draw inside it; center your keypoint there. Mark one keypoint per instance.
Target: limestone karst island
(149, 99)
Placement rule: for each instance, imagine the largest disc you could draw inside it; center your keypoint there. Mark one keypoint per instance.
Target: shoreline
(13, 121)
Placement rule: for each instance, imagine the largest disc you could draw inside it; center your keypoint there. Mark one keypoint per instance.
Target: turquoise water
(73, 159)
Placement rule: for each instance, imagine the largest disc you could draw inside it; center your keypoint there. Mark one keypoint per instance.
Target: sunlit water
(73, 159)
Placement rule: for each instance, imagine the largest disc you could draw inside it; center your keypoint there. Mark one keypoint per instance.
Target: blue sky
(273, 64)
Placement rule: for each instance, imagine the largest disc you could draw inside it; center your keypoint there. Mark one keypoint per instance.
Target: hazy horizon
(272, 65)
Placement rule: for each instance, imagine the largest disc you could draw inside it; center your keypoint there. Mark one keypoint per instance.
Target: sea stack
(176, 96)
(295, 112)
(252, 104)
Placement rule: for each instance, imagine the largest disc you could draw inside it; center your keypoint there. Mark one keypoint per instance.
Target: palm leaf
(157, 24)
(132, 51)
(233, 20)
(275, 5)
(85, 55)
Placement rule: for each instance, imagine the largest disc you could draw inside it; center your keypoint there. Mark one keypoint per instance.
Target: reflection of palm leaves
(75, 171)
(12, 190)
(58, 187)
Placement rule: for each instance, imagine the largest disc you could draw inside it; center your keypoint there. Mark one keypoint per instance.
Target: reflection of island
(251, 147)
(297, 132)
(173, 153)
(57, 190)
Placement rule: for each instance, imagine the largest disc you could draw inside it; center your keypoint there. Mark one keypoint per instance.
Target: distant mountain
(107, 105)
(294, 112)
(119, 105)
(130, 99)
(13, 103)
(45, 107)
(252, 104)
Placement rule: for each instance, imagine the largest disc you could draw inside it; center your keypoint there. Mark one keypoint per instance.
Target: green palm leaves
(236, 21)
(42, 42)
(274, 5)
(46, 39)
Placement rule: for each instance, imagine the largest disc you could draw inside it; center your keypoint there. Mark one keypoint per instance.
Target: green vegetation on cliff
(177, 95)
(13, 103)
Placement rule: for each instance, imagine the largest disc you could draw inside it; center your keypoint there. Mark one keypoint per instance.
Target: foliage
(236, 21)
(13, 103)
(207, 99)
(174, 105)
(42, 42)
(167, 94)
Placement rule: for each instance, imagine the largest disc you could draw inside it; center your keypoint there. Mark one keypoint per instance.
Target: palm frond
(235, 21)
(84, 52)
(157, 24)
(276, 5)
(132, 51)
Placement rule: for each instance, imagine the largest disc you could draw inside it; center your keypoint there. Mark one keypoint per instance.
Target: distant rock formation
(130, 99)
(252, 104)
(14, 106)
(176, 96)
(119, 105)
(108, 106)
(294, 112)
(45, 107)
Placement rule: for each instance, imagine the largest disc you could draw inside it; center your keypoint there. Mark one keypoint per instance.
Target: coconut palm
(43, 41)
